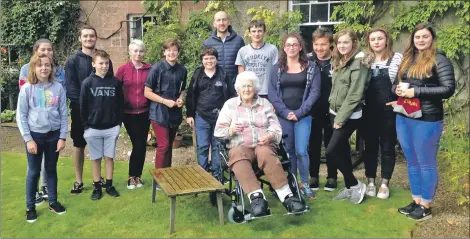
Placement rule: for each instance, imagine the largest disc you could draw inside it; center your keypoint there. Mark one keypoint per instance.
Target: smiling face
(221, 22)
(246, 90)
(88, 38)
(136, 53)
(344, 44)
(171, 54)
(256, 34)
(423, 39)
(321, 47)
(378, 41)
(46, 49)
(209, 62)
(43, 69)
(292, 47)
(101, 65)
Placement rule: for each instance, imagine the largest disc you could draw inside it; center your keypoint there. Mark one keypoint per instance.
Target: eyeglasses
(295, 45)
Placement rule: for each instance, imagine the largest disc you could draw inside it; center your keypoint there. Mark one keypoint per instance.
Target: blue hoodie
(42, 108)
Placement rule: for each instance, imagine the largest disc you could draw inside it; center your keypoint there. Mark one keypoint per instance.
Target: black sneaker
(131, 184)
(96, 194)
(77, 188)
(31, 215)
(57, 208)
(44, 193)
(259, 206)
(38, 200)
(331, 185)
(139, 182)
(420, 213)
(314, 184)
(111, 191)
(409, 208)
(294, 204)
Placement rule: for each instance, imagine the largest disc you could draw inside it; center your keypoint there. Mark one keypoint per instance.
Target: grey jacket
(42, 108)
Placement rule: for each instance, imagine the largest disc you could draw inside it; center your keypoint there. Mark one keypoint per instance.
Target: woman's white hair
(248, 75)
(137, 42)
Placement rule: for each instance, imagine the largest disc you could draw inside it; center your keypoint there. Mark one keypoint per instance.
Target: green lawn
(133, 215)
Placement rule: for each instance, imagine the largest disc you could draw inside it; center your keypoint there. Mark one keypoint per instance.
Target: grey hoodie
(42, 108)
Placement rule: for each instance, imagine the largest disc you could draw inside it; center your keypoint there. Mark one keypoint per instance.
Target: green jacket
(349, 85)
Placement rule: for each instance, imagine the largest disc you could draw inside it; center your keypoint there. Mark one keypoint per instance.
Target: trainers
(131, 184)
(157, 187)
(305, 189)
(57, 208)
(357, 193)
(97, 193)
(38, 200)
(314, 184)
(409, 208)
(330, 185)
(343, 194)
(371, 190)
(111, 191)
(77, 188)
(259, 206)
(44, 193)
(294, 204)
(420, 213)
(31, 215)
(384, 192)
(138, 182)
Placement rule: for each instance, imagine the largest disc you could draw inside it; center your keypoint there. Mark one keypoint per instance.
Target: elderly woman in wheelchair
(252, 131)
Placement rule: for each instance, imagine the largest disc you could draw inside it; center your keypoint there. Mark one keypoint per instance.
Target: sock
(371, 181)
(355, 186)
(385, 181)
(97, 184)
(384, 185)
(283, 192)
(109, 183)
(256, 191)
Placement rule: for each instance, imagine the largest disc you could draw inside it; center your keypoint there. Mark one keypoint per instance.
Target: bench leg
(154, 190)
(220, 208)
(172, 214)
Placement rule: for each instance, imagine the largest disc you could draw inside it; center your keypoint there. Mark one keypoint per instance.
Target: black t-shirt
(293, 87)
(211, 97)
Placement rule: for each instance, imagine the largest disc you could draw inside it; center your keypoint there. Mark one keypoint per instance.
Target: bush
(8, 116)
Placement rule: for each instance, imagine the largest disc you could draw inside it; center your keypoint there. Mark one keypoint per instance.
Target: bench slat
(163, 182)
(198, 177)
(189, 179)
(209, 178)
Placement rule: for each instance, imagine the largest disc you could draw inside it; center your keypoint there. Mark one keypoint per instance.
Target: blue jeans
(204, 140)
(295, 136)
(47, 145)
(420, 142)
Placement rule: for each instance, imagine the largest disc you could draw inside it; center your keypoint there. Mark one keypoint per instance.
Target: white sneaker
(384, 192)
(371, 190)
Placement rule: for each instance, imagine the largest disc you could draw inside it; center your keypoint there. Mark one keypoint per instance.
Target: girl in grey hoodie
(42, 121)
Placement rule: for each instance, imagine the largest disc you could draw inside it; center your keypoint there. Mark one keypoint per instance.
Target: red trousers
(165, 137)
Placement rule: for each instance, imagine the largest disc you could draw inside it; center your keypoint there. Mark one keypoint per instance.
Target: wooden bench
(186, 180)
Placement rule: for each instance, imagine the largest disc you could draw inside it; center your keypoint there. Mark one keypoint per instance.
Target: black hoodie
(321, 107)
(77, 68)
(101, 102)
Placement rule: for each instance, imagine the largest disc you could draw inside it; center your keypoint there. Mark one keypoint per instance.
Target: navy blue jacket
(227, 50)
(77, 68)
(311, 93)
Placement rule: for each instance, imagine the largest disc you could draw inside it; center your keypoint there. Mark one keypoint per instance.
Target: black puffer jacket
(431, 91)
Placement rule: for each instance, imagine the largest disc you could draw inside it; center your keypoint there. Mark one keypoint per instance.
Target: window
(136, 27)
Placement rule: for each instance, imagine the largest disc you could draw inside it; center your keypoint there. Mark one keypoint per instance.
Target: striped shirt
(258, 119)
(393, 68)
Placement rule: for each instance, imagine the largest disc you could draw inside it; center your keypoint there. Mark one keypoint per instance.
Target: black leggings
(338, 151)
(137, 126)
(321, 130)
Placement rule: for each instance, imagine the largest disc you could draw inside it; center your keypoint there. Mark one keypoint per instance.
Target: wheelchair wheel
(236, 216)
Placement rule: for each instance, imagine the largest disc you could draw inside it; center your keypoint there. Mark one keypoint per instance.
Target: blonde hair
(35, 60)
(137, 42)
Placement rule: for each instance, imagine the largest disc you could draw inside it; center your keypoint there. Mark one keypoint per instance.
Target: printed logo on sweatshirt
(103, 91)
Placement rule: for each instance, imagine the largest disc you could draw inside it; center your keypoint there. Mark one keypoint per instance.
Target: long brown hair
(339, 60)
(418, 64)
(35, 60)
(370, 54)
(303, 59)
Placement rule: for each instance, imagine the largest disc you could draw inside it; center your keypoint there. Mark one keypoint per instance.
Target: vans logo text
(104, 91)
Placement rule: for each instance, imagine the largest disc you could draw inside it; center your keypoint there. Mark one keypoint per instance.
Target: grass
(133, 215)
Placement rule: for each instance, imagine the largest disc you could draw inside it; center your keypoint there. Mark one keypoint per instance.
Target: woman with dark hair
(350, 79)
(378, 121)
(293, 89)
(425, 78)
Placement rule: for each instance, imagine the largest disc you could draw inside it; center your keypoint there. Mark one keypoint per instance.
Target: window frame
(131, 26)
(310, 4)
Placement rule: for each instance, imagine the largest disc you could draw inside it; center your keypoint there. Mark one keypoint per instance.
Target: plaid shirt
(258, 120)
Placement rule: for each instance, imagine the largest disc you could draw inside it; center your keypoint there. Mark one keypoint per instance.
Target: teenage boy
(258, 56)
(101, 110)
(226, 42)
(77, 68)
(208, 90)
(322, 39)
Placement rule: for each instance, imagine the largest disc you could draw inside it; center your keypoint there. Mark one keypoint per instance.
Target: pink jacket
(133, 84)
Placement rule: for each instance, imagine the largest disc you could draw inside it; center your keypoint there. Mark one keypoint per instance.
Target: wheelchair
(238, 212)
